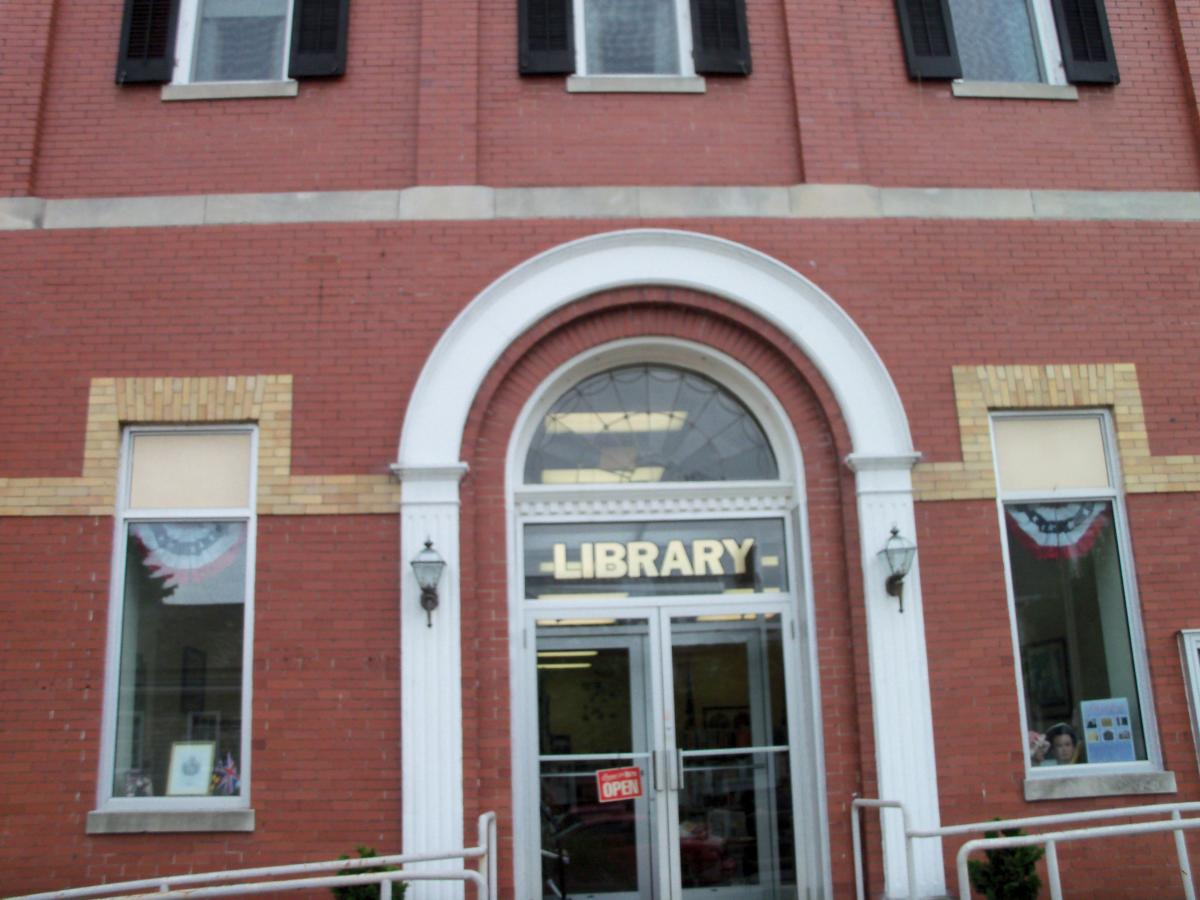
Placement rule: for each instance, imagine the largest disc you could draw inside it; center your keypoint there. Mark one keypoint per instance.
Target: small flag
(226, 776)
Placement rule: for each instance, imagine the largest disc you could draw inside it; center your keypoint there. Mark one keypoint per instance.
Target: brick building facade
(264, 336)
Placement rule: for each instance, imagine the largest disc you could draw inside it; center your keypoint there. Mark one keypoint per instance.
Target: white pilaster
(431, 675)
(900, 699)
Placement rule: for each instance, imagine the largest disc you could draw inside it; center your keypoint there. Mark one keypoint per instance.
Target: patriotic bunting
(1058, 530)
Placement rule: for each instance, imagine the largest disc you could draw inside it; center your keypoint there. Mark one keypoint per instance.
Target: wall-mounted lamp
(898, 552)
(427, 566)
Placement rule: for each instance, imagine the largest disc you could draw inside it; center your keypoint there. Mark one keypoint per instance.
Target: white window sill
(143, 822)
(635, 84)
(1013, 90)
(230, 90)
(1109, 785)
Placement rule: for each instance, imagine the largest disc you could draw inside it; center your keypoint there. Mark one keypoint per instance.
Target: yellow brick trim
(980, 389)
(264, 399)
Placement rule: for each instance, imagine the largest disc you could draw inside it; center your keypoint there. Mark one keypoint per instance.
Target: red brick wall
(101, 139)
(352, 311)
(326, 738)
(432, 96)
(24, 43)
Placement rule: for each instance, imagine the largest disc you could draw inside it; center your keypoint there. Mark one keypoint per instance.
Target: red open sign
(618, 784)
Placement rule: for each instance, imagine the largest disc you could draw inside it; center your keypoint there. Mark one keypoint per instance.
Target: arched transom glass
(648, 423)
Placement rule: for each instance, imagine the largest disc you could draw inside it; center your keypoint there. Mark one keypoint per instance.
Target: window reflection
(648, 424)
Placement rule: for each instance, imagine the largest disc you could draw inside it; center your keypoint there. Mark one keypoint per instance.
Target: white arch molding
(882, 456)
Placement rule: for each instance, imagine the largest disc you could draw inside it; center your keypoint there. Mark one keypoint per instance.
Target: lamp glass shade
(899, 553)
(427, 566)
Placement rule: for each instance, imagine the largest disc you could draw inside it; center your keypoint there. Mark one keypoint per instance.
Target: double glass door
(694, 709)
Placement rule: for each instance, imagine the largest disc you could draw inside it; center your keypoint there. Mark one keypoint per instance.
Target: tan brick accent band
(981, 389)
(265, 399)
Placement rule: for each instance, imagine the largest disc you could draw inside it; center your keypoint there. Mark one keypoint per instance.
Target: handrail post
(856, 825)
(385, 889)
(1052, 870)
(1185, 866)
(910, 854)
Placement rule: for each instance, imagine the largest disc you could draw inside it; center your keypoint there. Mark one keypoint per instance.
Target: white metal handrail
(1177, 824)
(273, 879)
(1053, 838)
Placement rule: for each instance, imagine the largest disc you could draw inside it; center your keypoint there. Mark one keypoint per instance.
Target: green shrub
(366, 891)
(1010, 873)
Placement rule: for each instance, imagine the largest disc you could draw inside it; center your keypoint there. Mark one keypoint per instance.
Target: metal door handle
(656, 766)
(675, 771)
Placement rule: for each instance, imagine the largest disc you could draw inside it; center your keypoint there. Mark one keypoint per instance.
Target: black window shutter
(928, 34)
(1086, 42)
(720, 42)
(546, 37)
(319, 30)
(147, 53)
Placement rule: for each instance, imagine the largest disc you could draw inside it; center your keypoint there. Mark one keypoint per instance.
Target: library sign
(644, 558)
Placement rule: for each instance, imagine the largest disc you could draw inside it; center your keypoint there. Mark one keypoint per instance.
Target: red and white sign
(618, 784)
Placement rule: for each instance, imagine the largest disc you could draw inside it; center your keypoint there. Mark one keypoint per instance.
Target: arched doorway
(660, 745)
(881, 458)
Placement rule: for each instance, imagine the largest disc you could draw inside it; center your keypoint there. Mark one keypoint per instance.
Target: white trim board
(478, 202)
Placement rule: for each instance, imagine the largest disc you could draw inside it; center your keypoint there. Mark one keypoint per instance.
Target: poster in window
(1107, 730)
(1047, 678)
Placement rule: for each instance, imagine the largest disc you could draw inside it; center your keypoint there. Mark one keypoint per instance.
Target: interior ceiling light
(614, 422)
(602, 476)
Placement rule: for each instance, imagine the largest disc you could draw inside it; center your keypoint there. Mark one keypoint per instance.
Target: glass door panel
(730, 715)
(593, 715)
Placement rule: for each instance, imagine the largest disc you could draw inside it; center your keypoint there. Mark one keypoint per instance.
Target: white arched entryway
(430, 469)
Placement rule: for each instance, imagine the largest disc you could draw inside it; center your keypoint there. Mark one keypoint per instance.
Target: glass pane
(592, 718)
(620, 559)
(240, 40)
(198, 470)
(631, 37)
(735, 813)
(1050, 453)
(995, 40)
(179, 704)
(1073, 628)
(648, 424)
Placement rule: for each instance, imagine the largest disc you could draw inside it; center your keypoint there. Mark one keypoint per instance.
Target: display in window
(191, 768)
(180, 682)
(1074, 634)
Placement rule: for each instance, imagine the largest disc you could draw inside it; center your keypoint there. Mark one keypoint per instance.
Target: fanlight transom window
(648, 423)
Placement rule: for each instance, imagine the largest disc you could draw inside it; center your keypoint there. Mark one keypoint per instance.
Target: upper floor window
(1077, 629)
(648, 423)
(1048, 41)
(633, 37)
(200, 41)
(1001, 40)
(177, 692)
(232, 40)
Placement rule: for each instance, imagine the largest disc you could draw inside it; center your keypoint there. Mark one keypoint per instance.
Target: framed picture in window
(191, 768)
(1047, 678)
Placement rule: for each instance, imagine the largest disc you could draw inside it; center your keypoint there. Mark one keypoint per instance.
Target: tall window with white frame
(177, 693)
(1074, 611)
